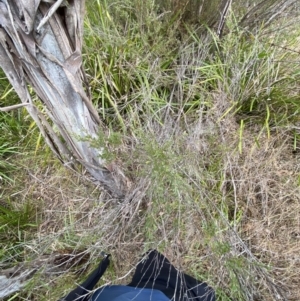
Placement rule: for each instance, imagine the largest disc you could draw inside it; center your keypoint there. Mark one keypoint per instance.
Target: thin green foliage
(188, 118)
(18, 131)
(16, 228)
(244, 70)
(5, 165)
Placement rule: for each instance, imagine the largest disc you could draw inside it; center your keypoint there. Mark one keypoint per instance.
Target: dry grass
(219, 198)
(269, 192)
(230, 226)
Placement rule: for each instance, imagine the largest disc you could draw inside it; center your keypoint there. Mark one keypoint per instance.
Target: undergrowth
(205, 129)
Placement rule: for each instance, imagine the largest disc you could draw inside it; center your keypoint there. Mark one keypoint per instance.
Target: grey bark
(42, 48)
(265, 12)
(15, 278)
(213, 13)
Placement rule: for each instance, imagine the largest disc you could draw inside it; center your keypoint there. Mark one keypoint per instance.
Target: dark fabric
(156, 272)
(126, 293)
(81, 293)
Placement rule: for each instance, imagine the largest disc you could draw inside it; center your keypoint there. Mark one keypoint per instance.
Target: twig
(223, 18)
(50, 12)
(9, 108)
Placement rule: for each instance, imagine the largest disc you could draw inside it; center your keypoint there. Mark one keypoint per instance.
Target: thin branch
(223, 18)
(49, 14)
(13, 107)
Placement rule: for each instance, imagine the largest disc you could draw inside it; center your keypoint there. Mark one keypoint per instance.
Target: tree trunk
(265, 12)
(40, 45)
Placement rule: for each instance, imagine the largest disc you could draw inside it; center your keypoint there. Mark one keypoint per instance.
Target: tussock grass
(206, 130)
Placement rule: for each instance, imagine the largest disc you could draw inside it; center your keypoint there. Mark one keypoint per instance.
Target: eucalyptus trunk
(40, 46)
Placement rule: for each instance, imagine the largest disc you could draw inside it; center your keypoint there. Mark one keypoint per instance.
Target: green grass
(240, 82)
(206, 130)
(18, 131)
(17, 227)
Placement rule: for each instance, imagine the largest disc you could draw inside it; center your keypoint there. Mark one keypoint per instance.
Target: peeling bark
(40, 45)
(15, 278)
